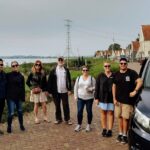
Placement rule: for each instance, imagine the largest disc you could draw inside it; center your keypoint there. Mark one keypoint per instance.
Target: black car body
(139, 129)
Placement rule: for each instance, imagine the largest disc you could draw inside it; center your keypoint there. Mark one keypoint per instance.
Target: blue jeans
(11, 108)
(80, 106)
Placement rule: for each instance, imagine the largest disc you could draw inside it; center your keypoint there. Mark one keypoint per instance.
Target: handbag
(36, 90)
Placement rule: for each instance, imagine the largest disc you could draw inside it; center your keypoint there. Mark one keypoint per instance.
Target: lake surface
(8, 61)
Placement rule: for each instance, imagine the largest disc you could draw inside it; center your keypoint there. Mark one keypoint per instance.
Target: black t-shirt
(125, 83)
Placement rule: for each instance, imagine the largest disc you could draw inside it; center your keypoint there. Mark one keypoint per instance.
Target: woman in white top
(84, 94)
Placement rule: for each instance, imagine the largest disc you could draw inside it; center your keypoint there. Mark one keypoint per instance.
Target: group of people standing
(12, 88)
(112, 92)
(116, 94)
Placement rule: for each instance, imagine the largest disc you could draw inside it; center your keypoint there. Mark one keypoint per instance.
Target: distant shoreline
(26, 57)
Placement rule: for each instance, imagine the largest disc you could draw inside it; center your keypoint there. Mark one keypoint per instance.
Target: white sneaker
(77, 128)
(69, 122)
(88, 128)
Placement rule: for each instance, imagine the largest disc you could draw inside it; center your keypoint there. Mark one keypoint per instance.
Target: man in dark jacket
(15, 95)
(2, 90)
(59, 85)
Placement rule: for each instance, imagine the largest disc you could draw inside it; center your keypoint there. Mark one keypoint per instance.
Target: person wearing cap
(59, 85)
(125, 88)
(2, 90)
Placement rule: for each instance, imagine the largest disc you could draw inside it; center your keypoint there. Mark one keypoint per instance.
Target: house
(99, 54)
(144, 40)
(102, 53)
(134, 49)
(120, 53)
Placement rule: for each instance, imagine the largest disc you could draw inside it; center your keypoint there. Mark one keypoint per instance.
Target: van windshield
(147, 77)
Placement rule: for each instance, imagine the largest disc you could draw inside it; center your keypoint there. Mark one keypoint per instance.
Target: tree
(114, 46)
(129, 46)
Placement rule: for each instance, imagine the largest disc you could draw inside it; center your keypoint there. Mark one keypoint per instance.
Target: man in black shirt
(125, 88)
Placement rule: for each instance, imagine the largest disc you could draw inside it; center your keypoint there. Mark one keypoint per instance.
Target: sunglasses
(1, 65)
(60, 59)
(38, 65)
(107, 66)
(13, 66)
(85, 70)
(123, 63)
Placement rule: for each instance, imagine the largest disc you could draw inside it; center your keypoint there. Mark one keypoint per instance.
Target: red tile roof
(135, 45)
(146, 32)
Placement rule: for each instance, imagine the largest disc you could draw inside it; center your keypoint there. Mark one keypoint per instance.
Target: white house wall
(144, 49)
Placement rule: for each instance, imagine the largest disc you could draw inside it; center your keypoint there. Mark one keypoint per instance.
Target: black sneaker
(104, 132)
(22, 128)
(124, 140)
(9, 130)
(109, 133)
(119, 138)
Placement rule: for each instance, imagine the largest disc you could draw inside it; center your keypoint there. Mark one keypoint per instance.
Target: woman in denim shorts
(104, 99)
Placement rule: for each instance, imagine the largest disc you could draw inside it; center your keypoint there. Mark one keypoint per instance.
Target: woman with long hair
(38, 85)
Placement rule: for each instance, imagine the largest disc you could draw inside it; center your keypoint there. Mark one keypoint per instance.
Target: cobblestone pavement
(48, 136)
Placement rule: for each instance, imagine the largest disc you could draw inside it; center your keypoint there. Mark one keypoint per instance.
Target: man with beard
(59, 85)
(125, 89)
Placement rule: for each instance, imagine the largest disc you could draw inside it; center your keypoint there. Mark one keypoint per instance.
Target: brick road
(48, 136)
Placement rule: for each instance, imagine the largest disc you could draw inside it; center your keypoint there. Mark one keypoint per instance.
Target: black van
(139, 129)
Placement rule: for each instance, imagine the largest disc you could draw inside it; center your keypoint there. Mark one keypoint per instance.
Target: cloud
(29, 26)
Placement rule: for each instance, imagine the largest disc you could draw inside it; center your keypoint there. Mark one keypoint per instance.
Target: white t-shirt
(61, 79)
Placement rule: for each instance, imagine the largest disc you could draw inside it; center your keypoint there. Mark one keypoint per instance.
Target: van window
(147, 77)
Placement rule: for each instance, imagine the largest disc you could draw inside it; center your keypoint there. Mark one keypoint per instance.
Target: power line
(68, 40)
(101, 35)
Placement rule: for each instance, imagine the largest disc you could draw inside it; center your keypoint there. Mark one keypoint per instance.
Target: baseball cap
(123, 59)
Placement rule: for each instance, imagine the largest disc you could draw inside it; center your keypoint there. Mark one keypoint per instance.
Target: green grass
(96, 66)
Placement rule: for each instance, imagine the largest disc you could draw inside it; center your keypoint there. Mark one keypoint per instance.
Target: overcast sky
(37, 27)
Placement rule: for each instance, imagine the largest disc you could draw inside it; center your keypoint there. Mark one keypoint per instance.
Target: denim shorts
(106, 106)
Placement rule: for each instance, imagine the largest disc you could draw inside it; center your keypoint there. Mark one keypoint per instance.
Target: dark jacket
(2, 85)
(37, 80)
(15, 86)
(103, 88)
(52, 81)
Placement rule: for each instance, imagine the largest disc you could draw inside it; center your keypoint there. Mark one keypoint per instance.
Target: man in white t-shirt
(59, 85)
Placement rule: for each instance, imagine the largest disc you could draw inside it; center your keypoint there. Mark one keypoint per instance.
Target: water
(7, 61)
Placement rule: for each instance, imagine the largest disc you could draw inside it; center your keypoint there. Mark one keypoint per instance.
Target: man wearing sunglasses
(2, 90)
(125, 89)
(59, 85)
